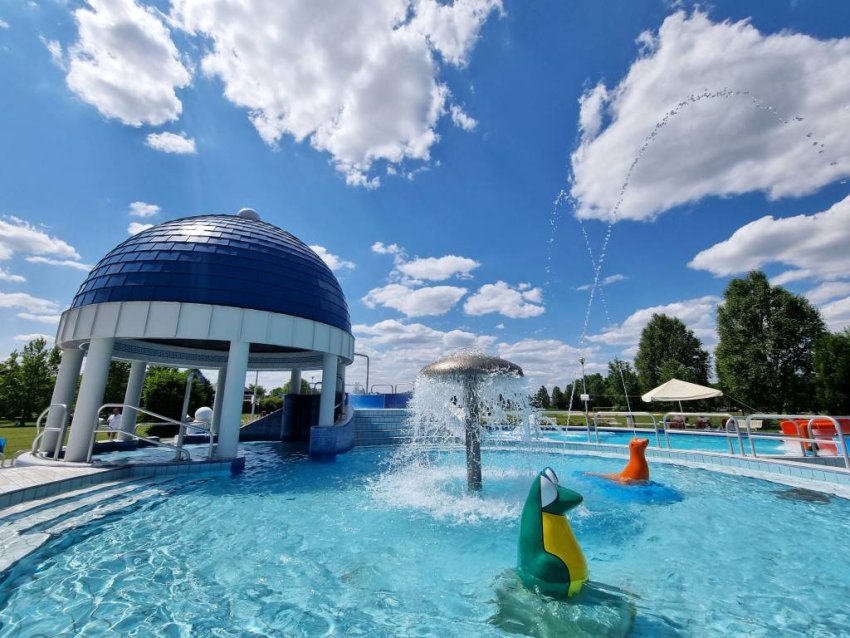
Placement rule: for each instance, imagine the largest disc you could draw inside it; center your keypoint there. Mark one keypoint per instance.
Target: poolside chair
(2, 450)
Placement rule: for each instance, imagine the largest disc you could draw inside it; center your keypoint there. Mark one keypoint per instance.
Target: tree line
(774, 354)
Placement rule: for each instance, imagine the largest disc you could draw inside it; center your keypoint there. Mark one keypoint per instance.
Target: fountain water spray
(467, 387)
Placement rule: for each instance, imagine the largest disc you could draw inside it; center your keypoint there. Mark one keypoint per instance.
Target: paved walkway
(18, 478)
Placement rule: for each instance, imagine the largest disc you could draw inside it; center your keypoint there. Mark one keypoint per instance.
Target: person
(114, 423)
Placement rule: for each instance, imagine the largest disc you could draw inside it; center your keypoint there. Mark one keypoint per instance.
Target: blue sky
(423, 146)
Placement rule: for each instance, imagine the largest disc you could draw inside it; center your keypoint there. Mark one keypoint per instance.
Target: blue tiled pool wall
(219, 260)
(389, 427)
(397, 401)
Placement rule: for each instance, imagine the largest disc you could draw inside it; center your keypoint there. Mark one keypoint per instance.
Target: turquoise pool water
(678, 441)
(298, 548)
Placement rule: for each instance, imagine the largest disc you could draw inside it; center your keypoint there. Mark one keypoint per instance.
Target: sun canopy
(677, 390)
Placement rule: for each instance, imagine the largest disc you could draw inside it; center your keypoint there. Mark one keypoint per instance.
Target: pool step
(26, 527)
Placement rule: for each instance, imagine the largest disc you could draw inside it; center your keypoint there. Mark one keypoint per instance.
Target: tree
(832, 373)
(164, 391)
(37, 374)
(305, 387)
(668, 347)
(10, 387)
(116, 382)
(765, 353)
(615, 381)
(559, 401)
(541, 399)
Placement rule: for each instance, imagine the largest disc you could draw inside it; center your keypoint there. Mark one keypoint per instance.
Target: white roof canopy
(677, 390)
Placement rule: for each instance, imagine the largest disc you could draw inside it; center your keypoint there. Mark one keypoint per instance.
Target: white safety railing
(39, 433)
(178, 449)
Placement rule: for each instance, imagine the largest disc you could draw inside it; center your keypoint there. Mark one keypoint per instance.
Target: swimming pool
(680, 441)
(298, 548)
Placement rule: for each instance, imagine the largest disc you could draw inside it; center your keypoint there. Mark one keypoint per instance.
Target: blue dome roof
(223, 260)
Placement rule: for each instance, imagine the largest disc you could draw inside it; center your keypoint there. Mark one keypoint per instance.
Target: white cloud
(136, 227)
(27, 303)
(697, 314)
(359, 81)
(438, 268)
(57, 56)
(415, 302)
(812, 245)
(836, 314)
(792, 142)
(517, 303)
(461, 119)
(125, 64)
(33, 336)
(176, 144)
(5, 275)
(334, 263)
(828, 290)
(17, 235)
(606, 281)
(65, 263)
(143, 209)
(383, 249)
(52, 319)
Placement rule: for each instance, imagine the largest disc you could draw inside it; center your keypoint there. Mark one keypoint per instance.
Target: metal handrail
(39, 433)
(631, 415)
(726, 424)
(842, 445)
(181, 424)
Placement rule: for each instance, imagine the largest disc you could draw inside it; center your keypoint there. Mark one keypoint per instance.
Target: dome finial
(249, 213)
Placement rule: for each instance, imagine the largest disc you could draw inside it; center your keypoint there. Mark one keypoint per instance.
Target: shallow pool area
(299, 548)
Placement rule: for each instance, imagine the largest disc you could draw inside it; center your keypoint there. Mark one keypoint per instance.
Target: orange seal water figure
(636, 469)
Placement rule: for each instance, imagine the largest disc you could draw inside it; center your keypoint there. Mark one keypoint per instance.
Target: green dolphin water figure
(550, 560)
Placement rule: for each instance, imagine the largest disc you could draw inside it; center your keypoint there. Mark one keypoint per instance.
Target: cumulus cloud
(27, 303)
(136, 227)
(30, 316)
(399, 350)
(173, 143)
(360, 81)
(32, 337)
(828, 290)
(517, 303)
(698, 314)
(5, 275)
(125, 63)
(461, 119)
(778, 122)
(334, 263)
(810, 245)
(384, 249)
(438, 268)
(64, 263)
(143, 209)
(18, 235)
(606, 281)
(836, 314)
(415, 302)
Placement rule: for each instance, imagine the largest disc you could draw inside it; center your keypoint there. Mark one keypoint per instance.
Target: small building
(227, 292)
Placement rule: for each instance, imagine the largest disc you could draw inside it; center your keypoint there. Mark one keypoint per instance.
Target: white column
(63, 392)
(234, 394)
(133, 396)
(295, 381)
(218, 400)
(326, 403)
(90, 398)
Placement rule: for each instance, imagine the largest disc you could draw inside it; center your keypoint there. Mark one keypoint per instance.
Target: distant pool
(679, 441)
(299, 548)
